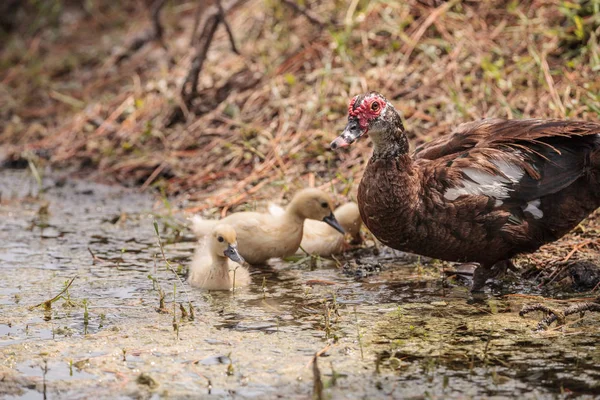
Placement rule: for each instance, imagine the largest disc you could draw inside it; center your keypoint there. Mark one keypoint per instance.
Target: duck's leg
(485, 272)
(480, 276)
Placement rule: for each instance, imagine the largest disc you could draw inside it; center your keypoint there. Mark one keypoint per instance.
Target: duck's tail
(202, 227)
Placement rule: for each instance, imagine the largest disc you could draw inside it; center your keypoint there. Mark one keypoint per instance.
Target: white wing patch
(512, 171)
(483, 183)
(533, 209)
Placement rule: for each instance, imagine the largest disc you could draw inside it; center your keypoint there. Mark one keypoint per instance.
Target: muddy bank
(386, 325)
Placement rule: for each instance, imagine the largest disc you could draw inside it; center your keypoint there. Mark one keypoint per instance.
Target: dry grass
(64, 99)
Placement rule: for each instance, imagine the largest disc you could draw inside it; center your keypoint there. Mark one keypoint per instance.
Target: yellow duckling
(321, 239)
(262, 235)
(217, 264)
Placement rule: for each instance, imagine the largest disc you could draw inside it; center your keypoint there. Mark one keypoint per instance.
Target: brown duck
(484, 193)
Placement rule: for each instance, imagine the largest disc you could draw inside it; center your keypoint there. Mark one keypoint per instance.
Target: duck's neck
(292, 222)
(293, 215)
(389, 144)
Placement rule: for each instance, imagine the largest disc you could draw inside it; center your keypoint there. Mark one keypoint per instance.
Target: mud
(386, 325)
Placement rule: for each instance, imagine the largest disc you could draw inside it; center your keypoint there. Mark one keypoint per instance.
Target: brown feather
(516, 184)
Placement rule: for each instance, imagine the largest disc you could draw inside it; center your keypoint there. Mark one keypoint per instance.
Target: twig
(168, 264)
(155, 13)
(318, 354)
(95, 257)
(196, 23)
(190, 86)
(575, 249)
(311, 16)
(227, 28)
(189, 89)
(153, 176)
(149, 35)
(556, 273)
(317, 382)
(416, 37)
(551, 87)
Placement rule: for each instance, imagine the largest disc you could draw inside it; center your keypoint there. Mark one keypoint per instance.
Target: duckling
(321, 239)
(262, 235)
(217, 264)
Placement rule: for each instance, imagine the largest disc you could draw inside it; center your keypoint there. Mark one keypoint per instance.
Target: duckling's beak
(331, 221)
(352, 132)
(233, 254)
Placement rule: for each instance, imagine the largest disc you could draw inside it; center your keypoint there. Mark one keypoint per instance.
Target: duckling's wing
(252, 223)
(276, 210)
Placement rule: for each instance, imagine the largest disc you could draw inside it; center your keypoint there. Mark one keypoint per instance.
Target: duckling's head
(223, 242)
(315, 204)
(348, 216)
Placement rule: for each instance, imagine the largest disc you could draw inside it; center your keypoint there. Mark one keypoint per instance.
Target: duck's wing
(504, 159)
(463, 138)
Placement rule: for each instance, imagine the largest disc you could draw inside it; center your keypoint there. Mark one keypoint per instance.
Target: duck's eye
(220, 239)
(324, 205)
(375, 106)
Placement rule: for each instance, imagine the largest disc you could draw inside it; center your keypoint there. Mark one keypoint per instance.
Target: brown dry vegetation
(263, 119)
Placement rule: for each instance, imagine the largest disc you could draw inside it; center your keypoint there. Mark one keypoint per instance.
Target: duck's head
(315, 204)
(223, 242)
(372, 114)
(348, 216)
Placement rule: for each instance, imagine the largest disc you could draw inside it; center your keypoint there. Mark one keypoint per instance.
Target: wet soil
(385, 326)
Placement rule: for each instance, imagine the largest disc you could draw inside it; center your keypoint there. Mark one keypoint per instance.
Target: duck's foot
(559, 315)
(483, 273)
(499, 269)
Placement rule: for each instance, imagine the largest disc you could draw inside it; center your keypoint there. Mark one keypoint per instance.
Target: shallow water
(387, 325)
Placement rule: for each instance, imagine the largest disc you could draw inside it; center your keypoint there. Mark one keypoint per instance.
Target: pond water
(384, 326)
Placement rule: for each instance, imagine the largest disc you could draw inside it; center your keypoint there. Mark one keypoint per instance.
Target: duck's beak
(331, 221)
(352, 132)
(233, 254)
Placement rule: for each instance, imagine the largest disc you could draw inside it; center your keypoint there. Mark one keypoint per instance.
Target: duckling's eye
(375, 106)
(220, 239)
(324, 205)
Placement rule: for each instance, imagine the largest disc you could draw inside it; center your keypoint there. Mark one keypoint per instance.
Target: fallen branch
(559, 315)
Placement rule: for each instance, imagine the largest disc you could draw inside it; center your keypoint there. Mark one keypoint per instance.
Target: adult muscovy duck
(489, 190)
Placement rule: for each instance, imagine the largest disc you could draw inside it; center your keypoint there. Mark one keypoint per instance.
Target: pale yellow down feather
(262, 235)
(211, 269)
(320, 238)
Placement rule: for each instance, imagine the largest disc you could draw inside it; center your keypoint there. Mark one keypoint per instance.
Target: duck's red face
(363, 110)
